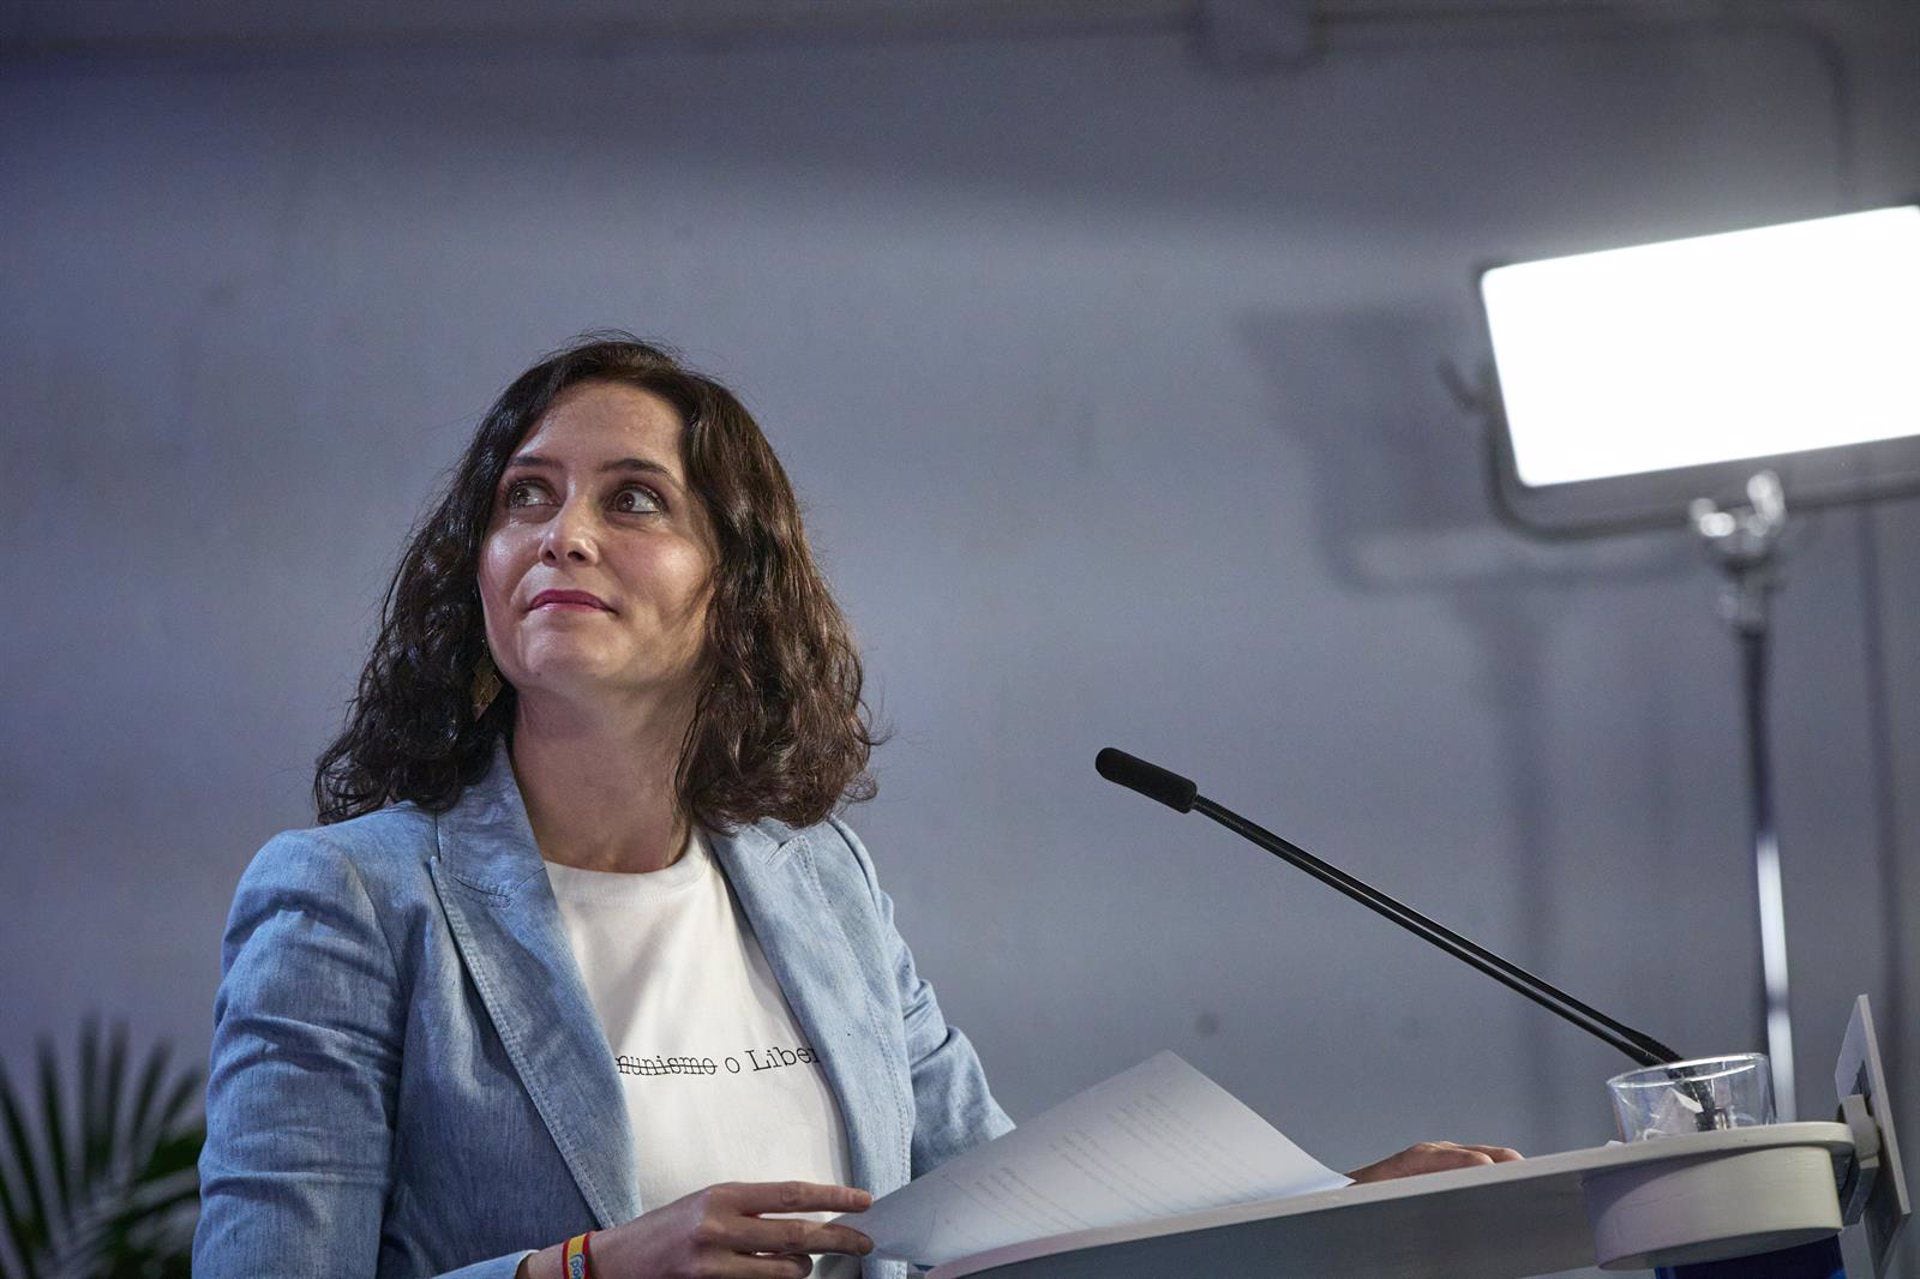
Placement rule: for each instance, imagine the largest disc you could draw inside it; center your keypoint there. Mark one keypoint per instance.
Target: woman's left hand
(1433, 1156)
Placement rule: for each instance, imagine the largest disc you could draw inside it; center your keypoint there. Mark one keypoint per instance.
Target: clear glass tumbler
(1693, 1096)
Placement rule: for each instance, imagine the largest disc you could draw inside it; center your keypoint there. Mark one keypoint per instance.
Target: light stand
(1628, 382)
(1745, 543)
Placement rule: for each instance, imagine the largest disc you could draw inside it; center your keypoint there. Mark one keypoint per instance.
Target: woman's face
(595, 573)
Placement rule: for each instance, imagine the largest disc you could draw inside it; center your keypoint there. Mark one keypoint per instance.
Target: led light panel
(1713, 349)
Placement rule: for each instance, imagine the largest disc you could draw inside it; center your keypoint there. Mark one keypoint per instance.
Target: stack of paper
(1154, 1141)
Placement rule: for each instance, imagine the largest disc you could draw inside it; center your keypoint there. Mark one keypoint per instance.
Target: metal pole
(1766, 862)
(1746, 543)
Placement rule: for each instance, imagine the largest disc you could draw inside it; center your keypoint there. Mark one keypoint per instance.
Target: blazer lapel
(826, 985)
(501, 909)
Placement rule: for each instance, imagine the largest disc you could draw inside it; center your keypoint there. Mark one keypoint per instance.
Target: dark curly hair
(779, 729)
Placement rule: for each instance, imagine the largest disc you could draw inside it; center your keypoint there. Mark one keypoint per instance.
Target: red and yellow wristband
(576, 1259)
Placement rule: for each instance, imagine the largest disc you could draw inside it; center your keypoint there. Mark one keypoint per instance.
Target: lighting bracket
(1745, 542)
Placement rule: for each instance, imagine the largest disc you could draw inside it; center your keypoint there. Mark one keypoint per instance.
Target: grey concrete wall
(1109, 381)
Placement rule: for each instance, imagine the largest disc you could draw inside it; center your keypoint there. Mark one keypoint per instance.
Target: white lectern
(1668, 1202)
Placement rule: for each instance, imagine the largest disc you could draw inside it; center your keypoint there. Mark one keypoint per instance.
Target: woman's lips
(581, 600)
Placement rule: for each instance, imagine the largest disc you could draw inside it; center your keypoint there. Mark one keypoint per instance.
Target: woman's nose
(571, 536)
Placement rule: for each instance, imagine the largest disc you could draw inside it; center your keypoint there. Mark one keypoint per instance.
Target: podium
(1669, 1202)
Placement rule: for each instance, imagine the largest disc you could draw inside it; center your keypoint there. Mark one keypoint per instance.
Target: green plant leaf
(104, 1190)
(54, 1135)
(113, 1084)
(172, 1156)
(13, 1259)
(28, 1231)
(150, 1080)
(179, 1098)
(91, 1147)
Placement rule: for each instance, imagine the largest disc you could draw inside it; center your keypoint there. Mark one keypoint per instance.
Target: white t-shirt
(720, 1082)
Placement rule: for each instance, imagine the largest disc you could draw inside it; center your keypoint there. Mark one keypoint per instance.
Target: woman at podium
(579, 945)
(580, 973)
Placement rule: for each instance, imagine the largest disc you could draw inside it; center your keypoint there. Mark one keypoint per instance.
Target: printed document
(1154, 1141)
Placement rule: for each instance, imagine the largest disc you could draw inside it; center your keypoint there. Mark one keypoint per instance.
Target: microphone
(1183, 796)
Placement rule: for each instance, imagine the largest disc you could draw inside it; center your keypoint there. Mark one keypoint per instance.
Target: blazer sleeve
(308, 1027)
(953, 1108)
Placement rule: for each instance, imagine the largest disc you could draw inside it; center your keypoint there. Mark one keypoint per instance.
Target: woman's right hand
(722, 1232)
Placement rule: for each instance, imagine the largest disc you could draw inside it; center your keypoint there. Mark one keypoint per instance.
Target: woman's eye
(524, 493)
(637, 499)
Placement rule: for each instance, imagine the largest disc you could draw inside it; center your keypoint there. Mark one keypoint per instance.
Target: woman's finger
(1440, 1155)
(1432, 1156)
(755, 1197)
(1499, 1154)
(795, 1235)
(745, 1267)
(1461, 1153)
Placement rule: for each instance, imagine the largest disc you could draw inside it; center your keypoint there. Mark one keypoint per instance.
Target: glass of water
(1693, 1096)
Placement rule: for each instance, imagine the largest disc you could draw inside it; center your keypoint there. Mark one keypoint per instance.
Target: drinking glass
(1693, 1096)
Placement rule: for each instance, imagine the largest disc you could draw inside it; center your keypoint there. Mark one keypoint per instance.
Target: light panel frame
(1642, 380)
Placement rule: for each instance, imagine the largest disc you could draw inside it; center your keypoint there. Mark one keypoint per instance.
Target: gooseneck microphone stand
(1182, 795)
(1818, 1260)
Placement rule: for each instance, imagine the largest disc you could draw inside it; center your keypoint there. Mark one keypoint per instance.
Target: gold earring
(486, 683)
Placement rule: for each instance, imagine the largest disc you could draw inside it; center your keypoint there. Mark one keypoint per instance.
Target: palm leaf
(91, 1146)
(26, 1229)
(54, 1134)
(13, 1226)
(150, 1080)
(99, 1183)
(102, 1086)
(179, 1100)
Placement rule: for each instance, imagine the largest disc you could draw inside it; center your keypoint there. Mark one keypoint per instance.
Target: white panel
(1709, 349)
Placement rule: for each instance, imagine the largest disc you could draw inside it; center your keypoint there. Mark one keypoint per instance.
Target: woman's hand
(722, 1232)
(1433, 1156)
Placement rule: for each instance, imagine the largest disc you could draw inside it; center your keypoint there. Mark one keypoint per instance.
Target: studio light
(1717, 382)
(1634, 380)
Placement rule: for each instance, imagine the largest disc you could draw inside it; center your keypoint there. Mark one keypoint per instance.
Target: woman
(580, 972)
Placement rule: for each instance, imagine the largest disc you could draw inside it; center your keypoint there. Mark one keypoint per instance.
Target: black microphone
(1182, 795)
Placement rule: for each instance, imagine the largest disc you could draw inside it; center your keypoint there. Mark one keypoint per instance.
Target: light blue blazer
(408, 1077)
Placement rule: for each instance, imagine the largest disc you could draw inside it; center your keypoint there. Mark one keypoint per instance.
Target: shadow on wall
(1400, 506)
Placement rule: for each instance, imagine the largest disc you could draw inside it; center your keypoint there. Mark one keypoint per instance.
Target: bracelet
(576, 1260)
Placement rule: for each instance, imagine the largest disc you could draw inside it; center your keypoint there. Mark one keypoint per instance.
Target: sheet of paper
(1153, 1141)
